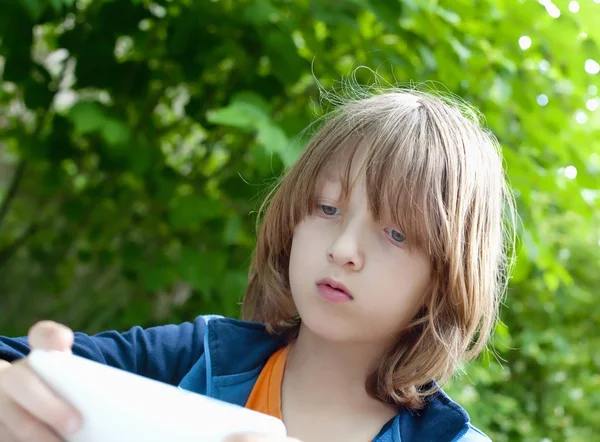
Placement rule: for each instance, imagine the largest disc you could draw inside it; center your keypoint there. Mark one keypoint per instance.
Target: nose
(345, 251)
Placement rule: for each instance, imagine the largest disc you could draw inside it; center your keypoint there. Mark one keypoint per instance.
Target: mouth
(334, 290)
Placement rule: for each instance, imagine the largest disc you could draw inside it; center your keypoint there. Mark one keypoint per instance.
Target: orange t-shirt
(265, 396)
(266, 393)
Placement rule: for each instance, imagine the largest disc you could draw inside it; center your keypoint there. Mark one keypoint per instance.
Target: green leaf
(87, 117)
(33, 7)
(272, 137)
(238, 114)
(189, 211)
(234, 285)
(428, 57)
(275, 141)
(57, 5)
(233, 230)
(156, 278)
(286, 63)
(450, 16)
(115, 132)
(253, 99)
(388, 11)
(202, 270)
(461, 50)
(261, 12)
(245, 111)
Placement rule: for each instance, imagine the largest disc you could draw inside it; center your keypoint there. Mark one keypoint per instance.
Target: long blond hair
(439, 172)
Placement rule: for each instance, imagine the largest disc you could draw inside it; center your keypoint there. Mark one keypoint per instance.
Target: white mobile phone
(118, 406)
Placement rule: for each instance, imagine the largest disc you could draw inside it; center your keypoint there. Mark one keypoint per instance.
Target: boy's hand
(29, 410)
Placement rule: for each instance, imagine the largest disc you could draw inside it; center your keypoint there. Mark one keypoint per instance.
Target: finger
(6, 435)
(49, 335)
(4, 365)
(19, 425)
(29, 392)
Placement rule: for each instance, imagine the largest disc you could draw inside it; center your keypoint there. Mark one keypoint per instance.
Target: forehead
(347, 176)
(346, 164)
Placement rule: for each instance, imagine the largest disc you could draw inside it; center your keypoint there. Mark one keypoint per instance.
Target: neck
(324, 372)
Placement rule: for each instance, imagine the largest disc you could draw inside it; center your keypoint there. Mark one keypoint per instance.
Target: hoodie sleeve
(164, 353)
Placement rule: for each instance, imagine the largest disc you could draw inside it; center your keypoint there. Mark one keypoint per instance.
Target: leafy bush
(138, 137)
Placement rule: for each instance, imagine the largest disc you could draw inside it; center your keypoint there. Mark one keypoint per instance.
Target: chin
(329, 328)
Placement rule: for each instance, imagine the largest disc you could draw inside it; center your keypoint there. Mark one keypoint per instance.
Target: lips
(328, 282)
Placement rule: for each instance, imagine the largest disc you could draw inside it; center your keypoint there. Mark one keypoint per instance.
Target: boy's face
(340, 242)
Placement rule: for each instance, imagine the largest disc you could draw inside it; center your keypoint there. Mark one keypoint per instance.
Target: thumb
(49, 335)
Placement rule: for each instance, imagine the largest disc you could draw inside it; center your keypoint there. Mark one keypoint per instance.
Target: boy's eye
(328, 210)
(396, 236)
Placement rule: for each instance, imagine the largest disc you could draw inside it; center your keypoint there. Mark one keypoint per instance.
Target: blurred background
(138, 137)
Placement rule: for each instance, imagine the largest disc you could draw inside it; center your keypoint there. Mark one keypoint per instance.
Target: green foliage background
(137, 138)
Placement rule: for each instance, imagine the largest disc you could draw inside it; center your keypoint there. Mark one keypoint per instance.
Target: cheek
(404, 285)
(301, 247)
(420, 272)
(308, 253)
(309, 238)
(425, 274)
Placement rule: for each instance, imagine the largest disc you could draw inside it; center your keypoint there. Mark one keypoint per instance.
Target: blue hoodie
(222, 358)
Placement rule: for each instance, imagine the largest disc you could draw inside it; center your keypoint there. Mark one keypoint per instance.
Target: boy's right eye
(328, 210)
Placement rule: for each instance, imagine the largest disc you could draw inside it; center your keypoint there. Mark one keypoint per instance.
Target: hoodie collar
(231, 378)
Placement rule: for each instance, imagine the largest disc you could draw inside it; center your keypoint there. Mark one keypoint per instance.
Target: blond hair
(431, 164)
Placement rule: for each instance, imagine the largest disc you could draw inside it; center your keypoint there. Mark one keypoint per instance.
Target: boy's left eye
(396, 236)
(328, 210)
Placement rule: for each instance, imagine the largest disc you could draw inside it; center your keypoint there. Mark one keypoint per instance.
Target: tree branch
(12, 190)
(7, 252)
